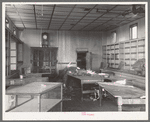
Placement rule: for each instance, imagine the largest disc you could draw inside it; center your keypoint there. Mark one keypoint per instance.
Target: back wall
(67, 42)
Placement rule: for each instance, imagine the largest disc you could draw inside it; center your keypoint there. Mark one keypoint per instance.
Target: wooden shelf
(142, 52)
(129, 48)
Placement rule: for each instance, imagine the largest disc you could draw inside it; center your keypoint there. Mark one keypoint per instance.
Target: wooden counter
(124, 94)
(17, 82)
(35, 89)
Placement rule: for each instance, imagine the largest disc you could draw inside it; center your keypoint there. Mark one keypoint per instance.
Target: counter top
(18, 81)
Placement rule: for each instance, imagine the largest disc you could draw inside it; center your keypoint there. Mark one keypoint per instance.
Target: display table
(35, 103)
(124, 94)
(19, 82)
(79, 81)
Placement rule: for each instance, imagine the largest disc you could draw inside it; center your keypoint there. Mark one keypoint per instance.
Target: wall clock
(44, 39)
(44, 36)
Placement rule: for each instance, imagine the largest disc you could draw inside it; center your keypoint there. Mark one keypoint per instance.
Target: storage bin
(108, 47)
(141, 49)
(133, 56)
(117, 61)
(141, 42)
(141, 55)
(133, 49)
(127, 50)
(127, 45)
(127, 56)
(134, 43)
(117, 51)
(117, 46)
(112, 47)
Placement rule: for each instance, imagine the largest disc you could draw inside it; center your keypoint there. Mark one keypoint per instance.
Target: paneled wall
(67, 42)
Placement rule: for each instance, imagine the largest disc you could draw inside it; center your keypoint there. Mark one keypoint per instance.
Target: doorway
(81, 60)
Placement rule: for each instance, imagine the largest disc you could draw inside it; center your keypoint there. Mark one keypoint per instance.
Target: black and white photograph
(75, 60)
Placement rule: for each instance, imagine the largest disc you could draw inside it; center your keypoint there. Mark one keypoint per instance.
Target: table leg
(39, 103)
(61, 92)
(100, 95)
(81, 92)
(61, 106)
(16, 100)
(119, 100)
(32, 96)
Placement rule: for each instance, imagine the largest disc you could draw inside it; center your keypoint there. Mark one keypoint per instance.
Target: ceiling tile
(65, 5)
(58, 17)
(104, 18)
(26, 14)
(78, 19)
(74, 17)
(24, 11)
(122, 7)
(79, 10)
(85, 5)
(23, 6)
(110, 15)
(62, 9)
(124, 22)
(61, 13)
(86, 20)
(104, 7)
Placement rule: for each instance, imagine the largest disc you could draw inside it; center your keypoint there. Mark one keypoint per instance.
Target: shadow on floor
(76, 105)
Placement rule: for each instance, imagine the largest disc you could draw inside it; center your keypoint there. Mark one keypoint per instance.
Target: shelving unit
(14, 52)
(104, 54)
(44, 60)
(128, 51)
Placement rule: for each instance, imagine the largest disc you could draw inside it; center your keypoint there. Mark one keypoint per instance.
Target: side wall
(123, 31)
(12, 25)
(67, 42)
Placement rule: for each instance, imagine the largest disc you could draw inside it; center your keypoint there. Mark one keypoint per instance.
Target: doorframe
(81, 50)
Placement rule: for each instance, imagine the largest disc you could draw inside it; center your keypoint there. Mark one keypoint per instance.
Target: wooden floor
(72, 103)
(88, 105)
(76, 105)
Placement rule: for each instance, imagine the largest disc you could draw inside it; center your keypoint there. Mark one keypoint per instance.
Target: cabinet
(44, 59)
(128, 51)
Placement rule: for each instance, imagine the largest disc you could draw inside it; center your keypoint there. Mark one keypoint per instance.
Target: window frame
(112, 34)
(14, 30)
(131, 31)
(6, 22)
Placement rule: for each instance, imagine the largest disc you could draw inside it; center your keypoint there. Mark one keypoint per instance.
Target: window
(133, 31)
(114, 39)
(14, 30)
(7, 22)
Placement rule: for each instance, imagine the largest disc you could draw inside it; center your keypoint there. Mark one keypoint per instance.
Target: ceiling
(71, 17)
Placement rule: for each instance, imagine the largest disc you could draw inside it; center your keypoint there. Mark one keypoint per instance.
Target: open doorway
(81, 60)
